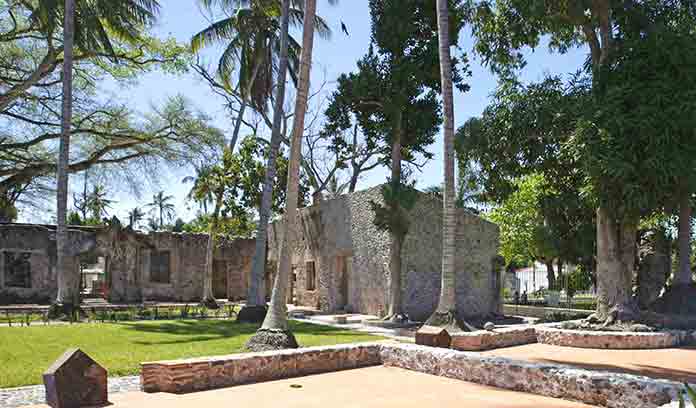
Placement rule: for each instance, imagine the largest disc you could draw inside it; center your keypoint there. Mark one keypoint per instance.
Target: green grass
(27, 351)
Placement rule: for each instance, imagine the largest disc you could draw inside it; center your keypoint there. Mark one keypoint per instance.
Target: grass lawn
(27, 351)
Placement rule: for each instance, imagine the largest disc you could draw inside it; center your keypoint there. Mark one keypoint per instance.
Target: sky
(183, 18)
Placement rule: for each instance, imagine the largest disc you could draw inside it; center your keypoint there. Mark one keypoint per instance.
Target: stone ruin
(340, 261)
(159, 266)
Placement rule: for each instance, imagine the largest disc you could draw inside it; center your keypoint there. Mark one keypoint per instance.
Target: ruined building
(340, 261)
(159, 266)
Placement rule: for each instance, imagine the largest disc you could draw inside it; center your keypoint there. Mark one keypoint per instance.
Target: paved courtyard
(673, 364)
(374, 387)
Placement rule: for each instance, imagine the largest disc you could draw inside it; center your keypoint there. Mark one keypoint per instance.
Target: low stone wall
(611, 340)
(489, 340)
(200, 374)
(540, 312)
(601, 388)
(605, 389)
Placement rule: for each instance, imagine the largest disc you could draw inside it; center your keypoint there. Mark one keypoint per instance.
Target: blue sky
(183, 18)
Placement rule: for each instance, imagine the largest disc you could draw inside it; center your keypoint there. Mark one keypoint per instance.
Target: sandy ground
(673, 364)
(383, 387)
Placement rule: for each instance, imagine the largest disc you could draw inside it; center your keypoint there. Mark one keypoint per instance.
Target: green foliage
(403, 200)
(524, 237)
(238, 180)
(580, 279)
(237, 226)
(637, 147)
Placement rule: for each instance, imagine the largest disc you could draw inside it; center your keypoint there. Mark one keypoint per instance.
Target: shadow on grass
(209, 330)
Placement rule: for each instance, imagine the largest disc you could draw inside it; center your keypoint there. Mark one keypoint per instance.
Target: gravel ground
(33, 395)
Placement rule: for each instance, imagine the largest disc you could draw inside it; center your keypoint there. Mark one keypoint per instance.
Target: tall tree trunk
(395, 312)
(550, 274)
(275, 332)
(208, 297)
(683, 274)
(446, 313)
(242, 108)
(256, 296)
(67, 295)
(616, 253)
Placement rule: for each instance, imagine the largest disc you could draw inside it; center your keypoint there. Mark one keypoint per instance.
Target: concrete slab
(676, 364)
(374, 387)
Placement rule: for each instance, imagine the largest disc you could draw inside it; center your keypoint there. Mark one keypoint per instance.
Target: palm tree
(251, 33)
(162, 206)
(135, 216)
(98, 21)
(255, 307)
(446, 313)
(67, 296)
(98, 203)
(275, 331)
(200, 192)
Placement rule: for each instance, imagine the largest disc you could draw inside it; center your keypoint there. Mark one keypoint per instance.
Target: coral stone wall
(200, 374)
(477, 291)
(128, 258)
(351, 258)
(35, 247)
(489, 340)
(611, 340)
(599, 388)
(187, 254)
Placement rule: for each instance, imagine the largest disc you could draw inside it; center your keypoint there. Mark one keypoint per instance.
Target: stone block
(433, 336)
(75, 380)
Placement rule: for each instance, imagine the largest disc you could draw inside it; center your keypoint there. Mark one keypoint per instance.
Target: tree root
(271, 339)
(449, 321)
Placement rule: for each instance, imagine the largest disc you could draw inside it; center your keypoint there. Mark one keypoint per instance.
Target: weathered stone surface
(592, 387)
(75, 380)
(350, 256)
(32, 251)
(489, 340)
(610, 340)
(183, 376)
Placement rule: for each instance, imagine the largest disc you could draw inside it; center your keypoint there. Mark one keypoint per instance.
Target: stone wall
(601, 388)
(28, 258)
(611, 340)
(128, 255)
(200, 374)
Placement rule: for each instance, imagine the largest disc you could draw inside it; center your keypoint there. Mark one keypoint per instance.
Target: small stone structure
(159, 266)
(433, 337)
(610, 339)
(75, 380)
(341, 260)
(601, 388)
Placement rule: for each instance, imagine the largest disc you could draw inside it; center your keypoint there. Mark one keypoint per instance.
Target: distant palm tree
(163, 207)
(200, 192)
(98, 203)
(135, 216)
